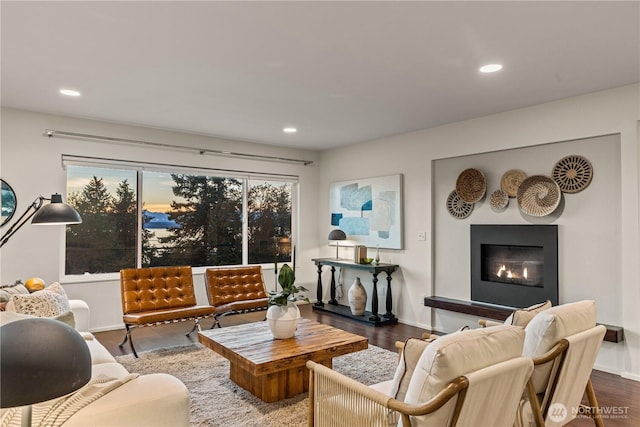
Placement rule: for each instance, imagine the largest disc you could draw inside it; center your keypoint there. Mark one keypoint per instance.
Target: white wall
(612, 112)
(31, 164)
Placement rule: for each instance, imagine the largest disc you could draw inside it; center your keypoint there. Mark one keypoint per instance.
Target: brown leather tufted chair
(235, 290)
(156, 295)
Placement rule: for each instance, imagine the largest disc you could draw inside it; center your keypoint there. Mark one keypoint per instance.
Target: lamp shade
(337, 234)
(42, 359)
(56, 212)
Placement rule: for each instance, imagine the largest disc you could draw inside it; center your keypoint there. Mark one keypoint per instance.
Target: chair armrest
(81, 313)
(335, 399)
(488, 323)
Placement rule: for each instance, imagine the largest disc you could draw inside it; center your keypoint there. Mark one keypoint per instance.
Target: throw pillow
(67, 318)
(6, 292)
(523, 316)
(49, 302)
(411, 352)
(545, 330)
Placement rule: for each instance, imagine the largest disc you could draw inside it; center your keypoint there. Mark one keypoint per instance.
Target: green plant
(286, 279)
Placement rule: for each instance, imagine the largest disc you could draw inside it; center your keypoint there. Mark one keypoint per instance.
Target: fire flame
(510, 274)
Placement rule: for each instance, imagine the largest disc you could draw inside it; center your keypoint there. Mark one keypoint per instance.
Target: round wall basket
(499, 199)
(457, 207)
(471, 185)
(572, 173)
(511, 180)
(538, 195)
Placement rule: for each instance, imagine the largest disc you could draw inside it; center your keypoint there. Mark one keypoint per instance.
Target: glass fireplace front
(519, 265)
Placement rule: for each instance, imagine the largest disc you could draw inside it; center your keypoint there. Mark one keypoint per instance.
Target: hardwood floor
(618, 398)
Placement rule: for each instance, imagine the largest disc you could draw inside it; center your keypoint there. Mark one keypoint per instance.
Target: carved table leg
(333, 300)
(374, 299)
(319, 302)
(389, 314)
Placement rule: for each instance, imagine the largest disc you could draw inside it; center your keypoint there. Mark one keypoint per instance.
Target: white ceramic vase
(283, 320)
(357, 298)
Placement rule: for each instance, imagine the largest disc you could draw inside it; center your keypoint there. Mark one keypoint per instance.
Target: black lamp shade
(56, 212)
(337, 235)
(42, 359)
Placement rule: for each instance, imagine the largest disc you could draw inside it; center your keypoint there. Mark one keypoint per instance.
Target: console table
(371, 317)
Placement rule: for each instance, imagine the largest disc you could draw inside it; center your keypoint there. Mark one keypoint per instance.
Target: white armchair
(564, 342)
(468, 378)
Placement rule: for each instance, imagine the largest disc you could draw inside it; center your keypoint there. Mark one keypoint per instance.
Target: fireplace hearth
(514, 265)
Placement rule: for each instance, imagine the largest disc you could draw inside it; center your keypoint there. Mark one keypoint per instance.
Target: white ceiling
(341, 72)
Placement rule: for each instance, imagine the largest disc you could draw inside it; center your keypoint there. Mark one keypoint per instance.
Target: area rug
(218, 401)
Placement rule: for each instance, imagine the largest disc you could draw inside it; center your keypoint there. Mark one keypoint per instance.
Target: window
(191, 220)
(106, 240)
(176, 219)
(269, 221)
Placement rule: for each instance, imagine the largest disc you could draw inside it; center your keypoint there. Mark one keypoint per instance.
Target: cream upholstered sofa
(148, 400)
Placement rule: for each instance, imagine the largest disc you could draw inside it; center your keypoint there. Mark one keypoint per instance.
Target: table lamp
(42, 359)
(337, 235)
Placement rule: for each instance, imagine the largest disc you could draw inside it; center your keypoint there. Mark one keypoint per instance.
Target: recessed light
(289, 130)
(490, 68)
(69, 92)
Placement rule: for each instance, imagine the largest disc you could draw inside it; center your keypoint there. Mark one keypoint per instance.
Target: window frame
(140, 168)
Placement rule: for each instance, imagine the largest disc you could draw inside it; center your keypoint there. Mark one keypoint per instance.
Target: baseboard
(622, 374)
(108, 328)
(416, 324)
(606, 369)
(630, 376)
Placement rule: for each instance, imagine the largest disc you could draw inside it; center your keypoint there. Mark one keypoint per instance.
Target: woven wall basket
(457, 207)
(471, 185)
(538, 195)
(572, 173)
(499, 199)
(511, 180)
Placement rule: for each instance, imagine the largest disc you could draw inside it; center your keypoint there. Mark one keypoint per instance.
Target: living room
(599, 241)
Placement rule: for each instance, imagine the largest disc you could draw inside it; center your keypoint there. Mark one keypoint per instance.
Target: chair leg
(593, 403)
(130, 339)
(216, 322)
(535, 405)
(196, 325)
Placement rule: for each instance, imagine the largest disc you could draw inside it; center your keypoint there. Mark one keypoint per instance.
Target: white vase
(283, 320)
(357, 298)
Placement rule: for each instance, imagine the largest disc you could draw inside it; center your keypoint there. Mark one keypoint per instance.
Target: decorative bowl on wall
(572, 173)
(511, 180)
(538, 195)
(499, 199)
(457, 207)
(471, 185)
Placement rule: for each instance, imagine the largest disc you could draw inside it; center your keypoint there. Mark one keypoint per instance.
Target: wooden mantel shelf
(614, 333)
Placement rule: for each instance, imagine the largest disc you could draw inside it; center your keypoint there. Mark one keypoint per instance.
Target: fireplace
(514, 265)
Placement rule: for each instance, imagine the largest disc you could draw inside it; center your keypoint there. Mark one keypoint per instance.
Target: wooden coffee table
(274, 369)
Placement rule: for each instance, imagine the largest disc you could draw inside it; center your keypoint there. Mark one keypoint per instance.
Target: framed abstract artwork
(369, 210)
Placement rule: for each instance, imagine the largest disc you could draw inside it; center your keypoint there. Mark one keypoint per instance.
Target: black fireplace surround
(514, 265)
